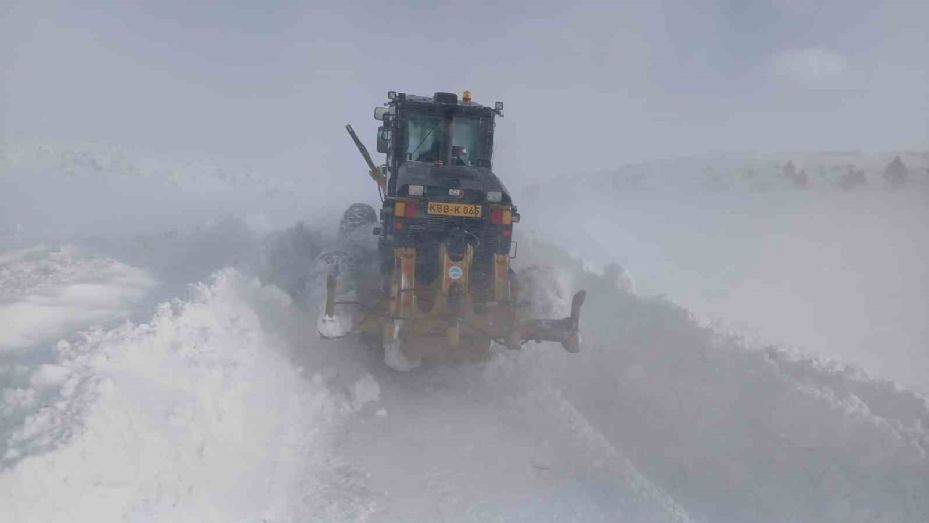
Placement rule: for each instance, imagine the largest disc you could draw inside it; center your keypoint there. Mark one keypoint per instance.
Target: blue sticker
(455, 272)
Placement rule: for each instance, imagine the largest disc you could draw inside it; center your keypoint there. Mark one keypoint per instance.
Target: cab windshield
(428, 136)
(469, 141)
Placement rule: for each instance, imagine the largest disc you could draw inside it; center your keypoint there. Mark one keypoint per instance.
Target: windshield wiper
(421, 142)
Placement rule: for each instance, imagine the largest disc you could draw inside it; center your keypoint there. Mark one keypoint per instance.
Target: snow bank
(840, 275)
(195, 416)
(738, 434)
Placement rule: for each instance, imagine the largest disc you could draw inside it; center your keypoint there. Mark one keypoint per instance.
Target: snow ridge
(195, 416)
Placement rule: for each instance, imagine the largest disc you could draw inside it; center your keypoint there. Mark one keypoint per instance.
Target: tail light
(501, 216)
(404, 209)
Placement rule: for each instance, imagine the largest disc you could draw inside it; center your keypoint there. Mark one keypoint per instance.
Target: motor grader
(444, 288)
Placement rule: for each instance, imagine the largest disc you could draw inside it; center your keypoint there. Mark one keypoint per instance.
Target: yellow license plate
(454, 209)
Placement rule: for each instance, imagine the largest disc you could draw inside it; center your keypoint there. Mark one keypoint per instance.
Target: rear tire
(356, 216)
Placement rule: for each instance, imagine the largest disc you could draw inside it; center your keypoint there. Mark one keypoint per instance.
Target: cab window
(469, 141)
(425, 138)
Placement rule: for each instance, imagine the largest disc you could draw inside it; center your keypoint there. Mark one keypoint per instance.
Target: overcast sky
(586, 86)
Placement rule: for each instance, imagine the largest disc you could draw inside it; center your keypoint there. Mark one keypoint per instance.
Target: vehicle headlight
(415, 190)
(494, 196)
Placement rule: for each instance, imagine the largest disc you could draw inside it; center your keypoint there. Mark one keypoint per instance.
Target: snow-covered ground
(177, 376)
(192, 416)
(45, 292)
(839, 274)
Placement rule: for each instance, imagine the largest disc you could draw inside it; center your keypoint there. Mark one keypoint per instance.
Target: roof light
(494, 196)
(498, 107)
(391, 95)
(415, 190)
(379, 113)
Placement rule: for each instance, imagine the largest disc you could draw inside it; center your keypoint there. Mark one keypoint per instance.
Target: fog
(263, 92)
(593, 86)
(741, 187)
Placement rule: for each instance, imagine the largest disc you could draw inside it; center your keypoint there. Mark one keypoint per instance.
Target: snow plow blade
(447, 319)
(565, 331)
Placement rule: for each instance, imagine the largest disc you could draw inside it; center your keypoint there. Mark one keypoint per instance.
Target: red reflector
(398, 225)
(507, 232)
(496, 216)
(411, 208)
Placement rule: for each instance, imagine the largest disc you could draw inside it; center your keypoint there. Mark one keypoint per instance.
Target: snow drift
(194, 416)
(741, 434)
